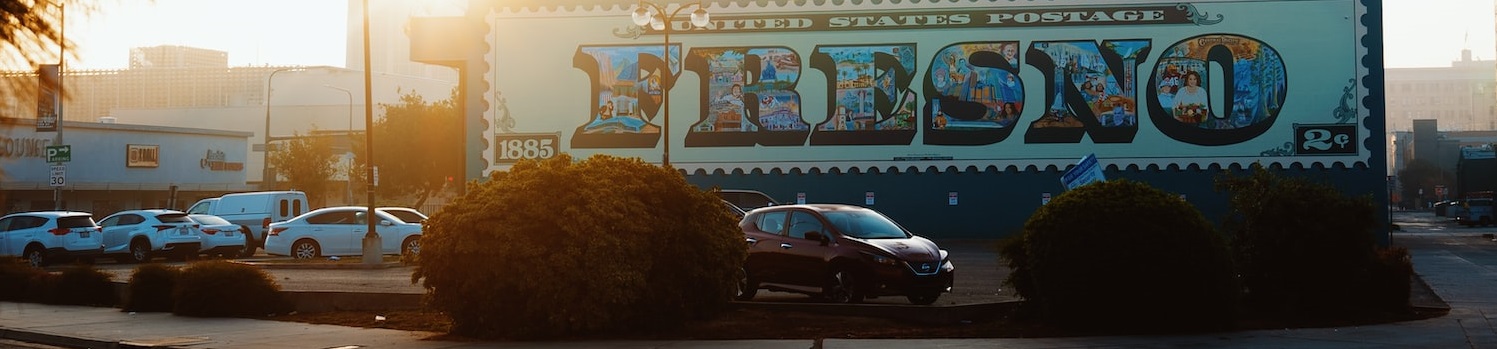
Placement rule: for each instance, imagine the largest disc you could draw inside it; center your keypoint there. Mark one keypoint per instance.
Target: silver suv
(47, 236)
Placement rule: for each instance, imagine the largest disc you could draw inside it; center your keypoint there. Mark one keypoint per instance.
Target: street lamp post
(348, 182)
(372, 240)
(265, 175)
(649, 13)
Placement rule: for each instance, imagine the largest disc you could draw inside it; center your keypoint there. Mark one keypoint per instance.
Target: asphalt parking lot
(979, 277)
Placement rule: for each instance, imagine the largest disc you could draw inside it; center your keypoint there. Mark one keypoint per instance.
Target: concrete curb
(329, 266)
(321, 301)
(57, 339)
(929, 314)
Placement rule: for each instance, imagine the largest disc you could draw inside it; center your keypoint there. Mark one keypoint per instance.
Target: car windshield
(865, 225)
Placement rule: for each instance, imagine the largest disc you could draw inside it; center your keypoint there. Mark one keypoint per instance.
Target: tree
(1423, 175)
(418, 147)
(31, 34)
(307, 163)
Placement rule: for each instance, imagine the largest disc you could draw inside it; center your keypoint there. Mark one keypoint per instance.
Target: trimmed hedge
(1122, 256)
(558, 247)
(224, 289)
(15, 277)
(78, 284)
(151, 287)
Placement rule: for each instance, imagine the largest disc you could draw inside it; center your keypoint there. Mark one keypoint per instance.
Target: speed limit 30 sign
(59, 175)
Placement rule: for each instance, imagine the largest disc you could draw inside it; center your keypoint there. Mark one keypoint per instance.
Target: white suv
(134, 236)
(46, 236)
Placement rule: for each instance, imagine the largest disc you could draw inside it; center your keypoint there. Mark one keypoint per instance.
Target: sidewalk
(1457, 263)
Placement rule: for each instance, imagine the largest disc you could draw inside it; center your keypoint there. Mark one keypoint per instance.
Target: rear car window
(210, 220)
(406, 216)
(75, 222)
(173, 218)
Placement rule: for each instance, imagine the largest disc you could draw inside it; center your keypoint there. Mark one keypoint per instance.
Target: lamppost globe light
(642, 15)
(659, 20)
(700, 18)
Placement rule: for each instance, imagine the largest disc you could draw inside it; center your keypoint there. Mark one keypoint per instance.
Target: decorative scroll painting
(933, 85)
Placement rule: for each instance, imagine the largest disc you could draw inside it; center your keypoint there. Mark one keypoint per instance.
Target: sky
(260, 32)
(1419, 33)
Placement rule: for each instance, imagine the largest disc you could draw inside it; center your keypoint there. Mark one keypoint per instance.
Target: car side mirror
(386, 223)
(816, 236)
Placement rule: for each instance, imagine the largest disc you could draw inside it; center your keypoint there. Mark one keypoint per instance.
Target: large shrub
(15, 277)
(151, 286)
(77, 284)
(225, 289)
(559, 247)
(1120, 255)
(1303, 248)
(82, 284)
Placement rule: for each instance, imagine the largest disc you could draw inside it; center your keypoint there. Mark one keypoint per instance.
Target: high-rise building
(168, 56)
(1463, 97)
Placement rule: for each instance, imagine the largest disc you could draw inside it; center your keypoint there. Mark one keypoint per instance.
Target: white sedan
(220, 237)
(339, 231)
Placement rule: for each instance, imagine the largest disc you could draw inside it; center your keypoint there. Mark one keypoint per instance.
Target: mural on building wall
(943, 85)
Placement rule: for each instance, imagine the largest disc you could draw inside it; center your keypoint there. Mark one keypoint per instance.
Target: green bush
(151, 287)
(78, 284)
(42, 288)
(220, 288)
(1302, 247)
(15, 276)
(1392, 273)
(82, 284)
(554, 247)
(1122, 256)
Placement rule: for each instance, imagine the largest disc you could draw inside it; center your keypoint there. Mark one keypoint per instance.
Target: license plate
(229, 233)
(181, 230)
(83, 234)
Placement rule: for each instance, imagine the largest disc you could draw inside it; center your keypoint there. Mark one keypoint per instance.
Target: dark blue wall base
(995, 204)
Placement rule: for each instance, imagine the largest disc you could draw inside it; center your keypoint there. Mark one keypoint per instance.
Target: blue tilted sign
(1086, 171)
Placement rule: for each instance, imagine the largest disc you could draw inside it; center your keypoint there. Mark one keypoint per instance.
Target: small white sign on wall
(951, 199)
(868, 198)
(800, 198)
(1044, 198)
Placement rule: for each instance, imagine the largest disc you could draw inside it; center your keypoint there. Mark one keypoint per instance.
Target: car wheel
(411, 246)
(841, 288)
(35, 257)
(747, 287)
(248, 249)
(250, 242)
(923, 298)
(140, 252)
(305, 249)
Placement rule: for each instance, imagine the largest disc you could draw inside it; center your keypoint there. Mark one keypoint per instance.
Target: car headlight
(880, 259)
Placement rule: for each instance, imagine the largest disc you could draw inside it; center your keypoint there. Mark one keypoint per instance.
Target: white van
(254, 210)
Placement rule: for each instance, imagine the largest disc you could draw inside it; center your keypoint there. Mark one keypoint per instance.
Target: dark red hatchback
(840, 253)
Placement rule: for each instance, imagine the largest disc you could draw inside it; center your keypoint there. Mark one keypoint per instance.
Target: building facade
(290, 100)
(114, 167)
